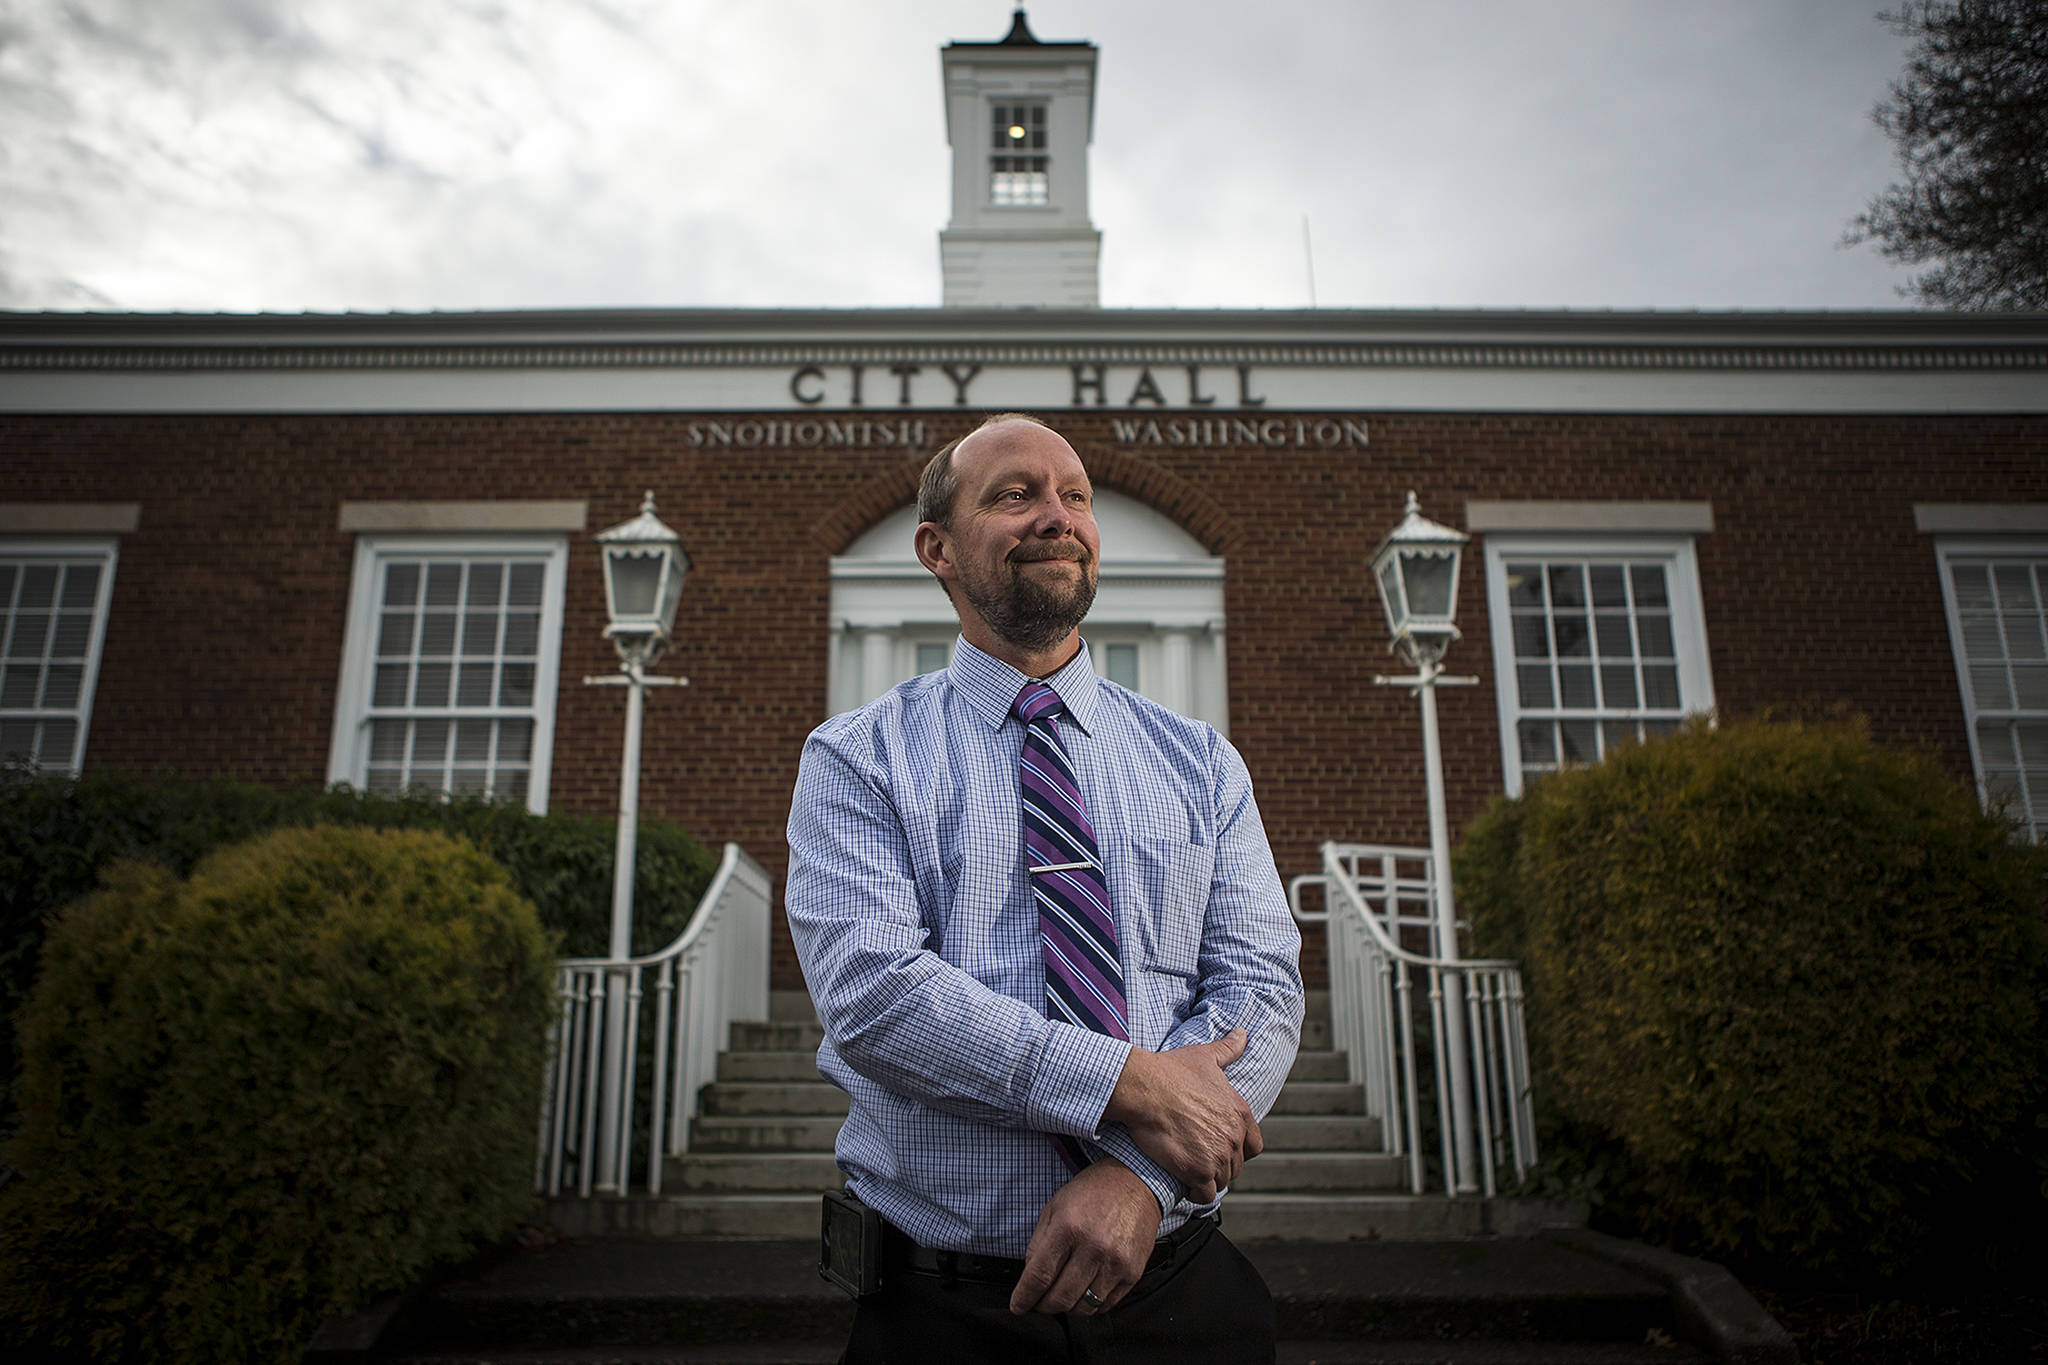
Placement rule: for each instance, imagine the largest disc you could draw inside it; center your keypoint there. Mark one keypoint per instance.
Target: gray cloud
(372, 154)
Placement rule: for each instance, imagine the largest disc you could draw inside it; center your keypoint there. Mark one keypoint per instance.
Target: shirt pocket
(1174, 874)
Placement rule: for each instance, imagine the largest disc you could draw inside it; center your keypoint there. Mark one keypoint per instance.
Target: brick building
(359, 548)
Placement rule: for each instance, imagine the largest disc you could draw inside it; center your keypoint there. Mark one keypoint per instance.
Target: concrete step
(735, 1098)
(1320, 1133)
(757, 1172)
(774, 1035)
(1506, 1301)
(1320, 1066)
(1357, 1172)
(1331, 1216)
(1320, 1097)
(1328, 1217)
(765, 1133)
(792, 1064)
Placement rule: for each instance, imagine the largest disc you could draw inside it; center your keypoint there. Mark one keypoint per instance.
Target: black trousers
(1207, 1305)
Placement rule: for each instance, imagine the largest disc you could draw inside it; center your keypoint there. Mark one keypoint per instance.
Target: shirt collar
(991, 686)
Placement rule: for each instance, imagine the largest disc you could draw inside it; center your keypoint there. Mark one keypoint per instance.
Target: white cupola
(1020, 115)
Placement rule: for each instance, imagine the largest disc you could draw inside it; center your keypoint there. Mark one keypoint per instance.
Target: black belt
(901, 1253)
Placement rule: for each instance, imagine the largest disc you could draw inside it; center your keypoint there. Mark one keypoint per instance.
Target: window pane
(1612, 630)
(2023, 637)
(485, 582)
(1653, 636)
(515, 741)
(1648, 582)
(81, 587)
(38, 587)
(515, 686)
(1567, 586)
(931, 656)
(1579, 741)
(31, 633)
(524, 585)
(2030, 687)
(17, 741)
(1532, 686)
(473, 741)
(1660, 687)
(437, 634)
(1973, 588)
(1992, 689)
(1608, 584)
(1575, 687)
(1525, 587)
(444, 585)
(1121, 665)
(1618, 686)
(394, 633)
(387, 741)
(60, 737)
(393, 681)
(2014, 584)
(430, 687)
(474, 685)
(61, 685)
(480, 632)
(522, 632)
(1538, 741)
(1572, 640)
(1532, 637)
(18, 686)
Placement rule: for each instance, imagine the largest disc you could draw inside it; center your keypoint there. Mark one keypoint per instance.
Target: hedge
(1793, 981)
(57, 834)
(264, 1094)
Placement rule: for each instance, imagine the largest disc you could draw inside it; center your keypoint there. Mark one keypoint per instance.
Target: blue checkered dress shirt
(913, 916)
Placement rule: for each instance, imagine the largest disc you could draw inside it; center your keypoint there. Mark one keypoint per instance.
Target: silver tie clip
(1061, 867)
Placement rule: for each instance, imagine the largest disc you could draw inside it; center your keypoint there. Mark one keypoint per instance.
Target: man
(1048, 1094)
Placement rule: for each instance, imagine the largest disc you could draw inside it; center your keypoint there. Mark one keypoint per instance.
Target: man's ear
(933, 551)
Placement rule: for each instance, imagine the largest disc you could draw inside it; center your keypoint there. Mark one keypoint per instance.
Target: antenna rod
(1308, 252)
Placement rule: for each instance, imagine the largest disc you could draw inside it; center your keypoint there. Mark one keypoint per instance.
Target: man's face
(1021, 551)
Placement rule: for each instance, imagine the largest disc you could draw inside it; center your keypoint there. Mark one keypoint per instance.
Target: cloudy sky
(370, 155)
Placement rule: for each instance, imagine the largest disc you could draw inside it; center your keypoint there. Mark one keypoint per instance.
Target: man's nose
(1055, 518)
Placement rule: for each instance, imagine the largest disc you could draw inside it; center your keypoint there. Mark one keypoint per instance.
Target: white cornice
(713, 360)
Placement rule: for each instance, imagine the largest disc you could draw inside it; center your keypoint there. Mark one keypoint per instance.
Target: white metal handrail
(1370, 894)
(714, 972)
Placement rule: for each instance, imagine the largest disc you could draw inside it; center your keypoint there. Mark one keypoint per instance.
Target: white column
(1175, 689)
(877, 663)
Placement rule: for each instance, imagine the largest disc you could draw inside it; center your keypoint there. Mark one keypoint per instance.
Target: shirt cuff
(1077, 1071)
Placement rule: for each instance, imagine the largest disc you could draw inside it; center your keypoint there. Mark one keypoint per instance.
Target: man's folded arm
(895, 1011)
(1248, 967)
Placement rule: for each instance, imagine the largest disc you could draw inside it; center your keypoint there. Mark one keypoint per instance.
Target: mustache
(1031, 554)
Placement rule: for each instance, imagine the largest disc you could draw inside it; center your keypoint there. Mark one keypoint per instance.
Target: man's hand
(1093, 1237)
(1183, 1113)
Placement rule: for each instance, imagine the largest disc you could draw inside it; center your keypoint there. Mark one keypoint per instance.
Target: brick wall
(223, 645)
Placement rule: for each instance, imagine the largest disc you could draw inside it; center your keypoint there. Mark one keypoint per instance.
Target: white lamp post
(644, 564)
(1416, 569)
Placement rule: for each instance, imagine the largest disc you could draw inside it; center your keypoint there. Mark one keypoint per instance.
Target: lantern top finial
(1417, 530)
(646, 528)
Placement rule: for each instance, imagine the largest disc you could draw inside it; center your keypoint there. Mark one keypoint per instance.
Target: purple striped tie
(1084, 981)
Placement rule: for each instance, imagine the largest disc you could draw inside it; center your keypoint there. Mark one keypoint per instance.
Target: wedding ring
(1089, 1296)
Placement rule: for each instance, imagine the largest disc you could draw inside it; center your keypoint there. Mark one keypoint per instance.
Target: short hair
(938, 488)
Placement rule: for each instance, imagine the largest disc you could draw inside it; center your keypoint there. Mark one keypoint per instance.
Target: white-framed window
(1598, 640)
(53, 619)
(450, 666)
(1996, 592)
(1017, 160)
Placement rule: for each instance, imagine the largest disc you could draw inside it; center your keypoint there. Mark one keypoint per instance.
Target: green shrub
(1793, 977)
(266, 1093)
(56, 834)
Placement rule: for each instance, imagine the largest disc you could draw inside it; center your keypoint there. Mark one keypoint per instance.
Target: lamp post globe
(1416, 571)
(644, 564)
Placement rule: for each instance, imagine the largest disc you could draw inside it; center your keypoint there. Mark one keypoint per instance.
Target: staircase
(720, 1268)
(761, 1152)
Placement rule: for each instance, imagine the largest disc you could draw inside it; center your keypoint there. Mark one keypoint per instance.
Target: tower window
(1017, 174)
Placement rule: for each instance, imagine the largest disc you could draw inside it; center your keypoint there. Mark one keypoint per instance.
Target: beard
(1026, 612)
